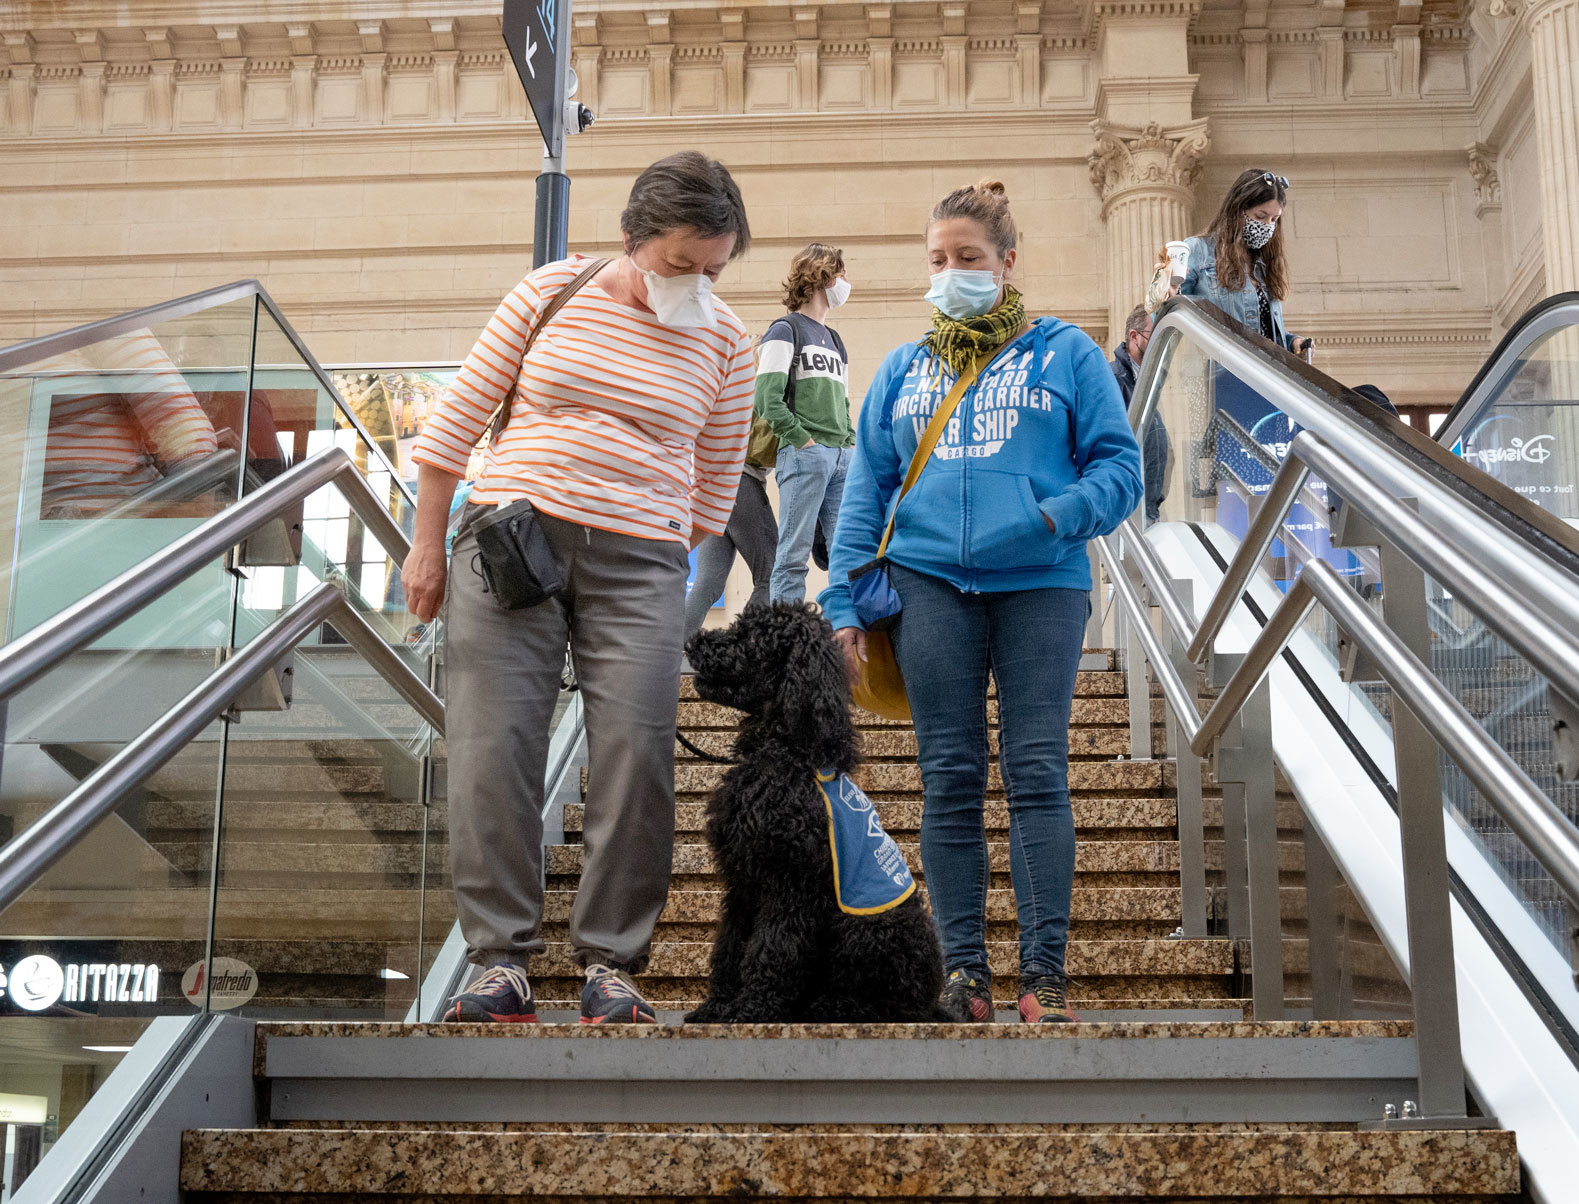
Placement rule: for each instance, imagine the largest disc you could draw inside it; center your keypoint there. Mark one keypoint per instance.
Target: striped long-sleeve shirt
(616, 421)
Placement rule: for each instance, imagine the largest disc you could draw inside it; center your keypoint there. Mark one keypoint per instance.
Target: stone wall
(372, 162)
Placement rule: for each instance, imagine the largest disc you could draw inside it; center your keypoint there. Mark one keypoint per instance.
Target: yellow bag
(877, 685)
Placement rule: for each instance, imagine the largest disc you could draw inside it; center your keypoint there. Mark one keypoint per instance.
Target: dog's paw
(709, 1012)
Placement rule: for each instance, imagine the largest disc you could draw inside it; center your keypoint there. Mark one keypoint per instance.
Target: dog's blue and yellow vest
(869, 872)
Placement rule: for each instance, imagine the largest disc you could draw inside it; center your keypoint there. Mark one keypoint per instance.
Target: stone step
(1091, 857)
(1084, 960)
(1085, 743)
(1089, 683)
(1134, 903)
(805, 1164)
(1138, 818)
(351, 818)
(366, 914)
(1330, 1072)
(879, 778)
(1088, 711)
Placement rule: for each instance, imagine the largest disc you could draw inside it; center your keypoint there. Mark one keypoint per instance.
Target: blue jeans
(811, 486)
(1030, 641)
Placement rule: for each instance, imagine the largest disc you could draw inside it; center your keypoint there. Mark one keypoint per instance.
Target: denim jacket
(1243, 306)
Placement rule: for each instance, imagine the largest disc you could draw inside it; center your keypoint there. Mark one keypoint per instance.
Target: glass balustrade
(276, 866)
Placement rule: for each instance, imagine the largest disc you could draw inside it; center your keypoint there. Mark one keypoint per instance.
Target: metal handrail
(20, 355)
(29, 855)
(34, 653)
(1451, 493)
(1557, 312)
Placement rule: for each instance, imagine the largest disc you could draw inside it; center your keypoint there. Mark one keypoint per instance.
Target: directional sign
(531, 31)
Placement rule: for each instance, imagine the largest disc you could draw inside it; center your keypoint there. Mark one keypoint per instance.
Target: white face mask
(838, 292)
(680, 300)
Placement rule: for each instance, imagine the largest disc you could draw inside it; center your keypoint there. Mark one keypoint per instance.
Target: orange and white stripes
(616, 421)
(107, 443)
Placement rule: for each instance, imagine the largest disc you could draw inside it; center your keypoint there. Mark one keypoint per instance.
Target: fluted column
(1146, 179)
(1554, 69)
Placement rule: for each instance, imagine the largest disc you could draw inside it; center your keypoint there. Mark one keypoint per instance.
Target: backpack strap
(501, 417)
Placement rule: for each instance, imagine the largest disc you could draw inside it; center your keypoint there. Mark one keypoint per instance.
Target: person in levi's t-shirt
(802, 391)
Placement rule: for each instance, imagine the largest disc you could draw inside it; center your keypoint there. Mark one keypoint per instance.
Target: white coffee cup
(1178, 261)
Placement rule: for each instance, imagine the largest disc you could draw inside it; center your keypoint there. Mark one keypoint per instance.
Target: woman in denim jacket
(1238, 264)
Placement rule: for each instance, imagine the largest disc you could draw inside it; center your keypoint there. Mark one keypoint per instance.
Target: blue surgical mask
(961, 293)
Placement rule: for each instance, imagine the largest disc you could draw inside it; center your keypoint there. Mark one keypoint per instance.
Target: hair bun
(996, 187)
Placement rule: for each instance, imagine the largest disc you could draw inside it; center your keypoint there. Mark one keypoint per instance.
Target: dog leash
(704, 755)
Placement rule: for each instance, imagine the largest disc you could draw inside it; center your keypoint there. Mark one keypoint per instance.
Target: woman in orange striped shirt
(627, 423)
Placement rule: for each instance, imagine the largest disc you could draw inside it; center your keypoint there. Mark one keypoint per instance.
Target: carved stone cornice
(1151, 158)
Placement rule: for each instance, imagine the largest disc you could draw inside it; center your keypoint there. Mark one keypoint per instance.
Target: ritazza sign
(40, 982)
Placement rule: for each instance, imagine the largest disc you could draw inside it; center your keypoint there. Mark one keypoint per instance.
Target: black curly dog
(784, 951)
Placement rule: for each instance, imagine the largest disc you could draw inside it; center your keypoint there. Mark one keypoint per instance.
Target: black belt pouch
(519, 568)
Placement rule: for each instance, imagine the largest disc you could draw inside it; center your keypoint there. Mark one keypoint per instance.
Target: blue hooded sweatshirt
(1042, 434)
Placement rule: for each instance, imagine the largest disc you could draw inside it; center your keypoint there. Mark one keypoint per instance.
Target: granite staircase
(1170, 1090)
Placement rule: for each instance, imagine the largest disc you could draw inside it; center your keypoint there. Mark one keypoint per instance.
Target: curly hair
(986, 202)
(1255, 186)
(818, 266)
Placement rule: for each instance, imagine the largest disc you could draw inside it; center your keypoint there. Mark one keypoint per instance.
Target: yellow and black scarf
(958, 342)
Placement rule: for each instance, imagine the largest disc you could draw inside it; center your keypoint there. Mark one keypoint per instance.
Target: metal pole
(1139, 687)
(1094, 621)
(1236, 887)
(1269, 516)
(1321, 927)
(1433, 979)
(1244, 767)
(551, 229)
(1190, 809)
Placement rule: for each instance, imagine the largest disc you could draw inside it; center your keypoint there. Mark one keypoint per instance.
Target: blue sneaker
(501, 994)
(611, 998)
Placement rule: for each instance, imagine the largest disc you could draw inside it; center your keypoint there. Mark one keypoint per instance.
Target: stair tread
(1092, 856)
(807, 1163)
(689, 959)
(899, 815)
(1126, 1030)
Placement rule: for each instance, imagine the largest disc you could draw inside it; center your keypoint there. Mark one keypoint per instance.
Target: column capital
(1151, 158)
(1527, 10)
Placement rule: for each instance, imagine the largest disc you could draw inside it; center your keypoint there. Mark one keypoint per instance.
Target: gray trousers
(623, 614)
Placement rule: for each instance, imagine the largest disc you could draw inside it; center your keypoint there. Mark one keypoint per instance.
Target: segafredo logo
(39, 982)
(228, 984)
(1521, 451)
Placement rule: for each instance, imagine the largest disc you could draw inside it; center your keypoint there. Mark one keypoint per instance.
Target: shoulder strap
(501, 416)
(929, 440)
(934, 432)
(797, 345)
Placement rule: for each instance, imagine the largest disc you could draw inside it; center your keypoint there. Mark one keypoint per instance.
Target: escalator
(222, 775)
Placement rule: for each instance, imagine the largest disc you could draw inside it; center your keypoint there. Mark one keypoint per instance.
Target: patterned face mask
(1258, 233)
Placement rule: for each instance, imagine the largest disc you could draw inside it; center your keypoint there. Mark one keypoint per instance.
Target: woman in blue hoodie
(988, 557)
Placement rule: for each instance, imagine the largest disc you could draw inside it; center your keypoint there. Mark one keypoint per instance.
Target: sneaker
(500, 994)
(966, 1000)
(1044, 1000)
(611, 998)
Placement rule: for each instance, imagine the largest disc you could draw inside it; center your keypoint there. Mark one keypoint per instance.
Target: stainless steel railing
(30, 656)
(1517, 589)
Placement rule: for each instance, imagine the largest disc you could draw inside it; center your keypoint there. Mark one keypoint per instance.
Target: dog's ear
(814, 694)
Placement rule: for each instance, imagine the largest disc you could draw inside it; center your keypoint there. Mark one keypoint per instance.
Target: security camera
(577, 116)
